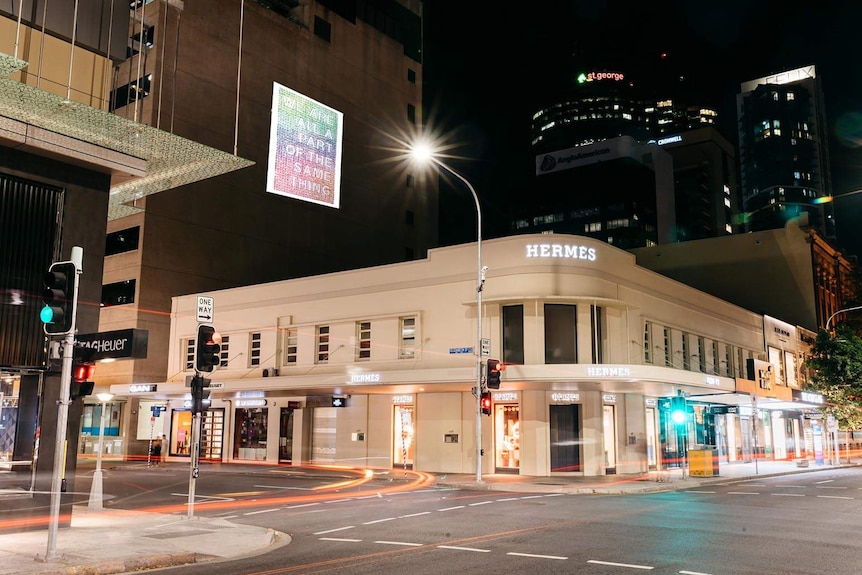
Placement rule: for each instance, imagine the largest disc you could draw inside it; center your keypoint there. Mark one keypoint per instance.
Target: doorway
(565, 423)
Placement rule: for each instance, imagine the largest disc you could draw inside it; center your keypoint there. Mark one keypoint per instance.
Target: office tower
(783, 151)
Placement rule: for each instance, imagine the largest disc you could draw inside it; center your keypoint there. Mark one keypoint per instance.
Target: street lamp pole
(828, 321)
(480, 283)
(96, 488)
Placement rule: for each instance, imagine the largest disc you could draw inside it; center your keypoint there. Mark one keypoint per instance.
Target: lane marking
(480, 503)
(698, 491)
(261, 511)
(452, 508)
(824, 481)
(532, 496)
(400, 543)
(303, 505)
(379, 521)
(693, 573)
(414, 514)
(743, 493)
(333, 530)
(464, 548)
(538, 556)
(283, 487)
(554, 494)
(340, 500)
(833, 497)
(788, 494)
(507, 499)
(831, 487)
(645, 567)
(340, 539)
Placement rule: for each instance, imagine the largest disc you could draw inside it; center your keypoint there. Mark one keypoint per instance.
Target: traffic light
(678, 410)
(207, 348)
(82, 379)
(200, 394)
(495, 369)
(59, 298)
(486, 403)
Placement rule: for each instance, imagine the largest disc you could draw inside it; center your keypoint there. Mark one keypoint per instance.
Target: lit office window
(322, 336)
(291, 338)
(363, 340)
(407, 350)
(254, 349)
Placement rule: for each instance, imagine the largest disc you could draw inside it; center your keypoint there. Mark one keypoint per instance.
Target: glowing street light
(96, 489)
(422, 152)
(828, 321)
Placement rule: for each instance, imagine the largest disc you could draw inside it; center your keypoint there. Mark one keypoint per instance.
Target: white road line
(414, 514)
(340, 500)
(452, 508)
(833, 497)
(645, 567)
(831, 487)
(693, 573)
(538, 556)
(333, 530)
(789, 494)
(303, 505)
(464, 548)
(743, 493)
(379, 521)
(228, 516)
(283, 487)
(340, 539)
(824, 481)
(480, 503)
(554, 494)
(697, 491)
(532, 496)
(400, 543)
(507, 499)
(261, 511)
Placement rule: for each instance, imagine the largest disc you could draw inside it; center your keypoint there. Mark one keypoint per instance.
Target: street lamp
(828, 321)
(96, 489)
(423, 153)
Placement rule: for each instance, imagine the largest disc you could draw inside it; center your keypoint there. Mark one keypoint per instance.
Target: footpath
(108, 541)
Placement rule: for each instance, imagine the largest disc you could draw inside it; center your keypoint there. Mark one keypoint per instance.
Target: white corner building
(376, 368)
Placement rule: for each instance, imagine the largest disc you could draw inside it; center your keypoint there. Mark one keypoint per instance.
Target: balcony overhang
(141, 160)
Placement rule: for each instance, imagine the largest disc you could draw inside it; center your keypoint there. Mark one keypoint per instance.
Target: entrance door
(565, 423)
(609, 425)
(403, 440)
(285, 435)
(651, 438)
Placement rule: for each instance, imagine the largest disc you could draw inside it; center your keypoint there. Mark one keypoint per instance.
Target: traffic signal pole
(63, 414)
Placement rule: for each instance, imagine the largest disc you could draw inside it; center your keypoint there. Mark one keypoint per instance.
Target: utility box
(703, 462)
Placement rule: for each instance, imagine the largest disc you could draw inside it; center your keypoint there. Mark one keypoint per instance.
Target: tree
(836, 364)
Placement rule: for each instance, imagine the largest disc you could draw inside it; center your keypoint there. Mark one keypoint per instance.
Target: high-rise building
(616, 163)
(783, 151)
(325, 192)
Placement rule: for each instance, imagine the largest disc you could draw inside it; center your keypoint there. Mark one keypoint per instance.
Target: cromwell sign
(120, 344)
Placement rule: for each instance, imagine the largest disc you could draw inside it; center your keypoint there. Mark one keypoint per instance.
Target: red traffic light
(495, 367)
(486, 403)
(83, 371)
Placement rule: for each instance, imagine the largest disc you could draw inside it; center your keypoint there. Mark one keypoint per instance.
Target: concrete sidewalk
(116, 541)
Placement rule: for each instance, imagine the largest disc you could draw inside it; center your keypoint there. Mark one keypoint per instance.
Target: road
(799, 524)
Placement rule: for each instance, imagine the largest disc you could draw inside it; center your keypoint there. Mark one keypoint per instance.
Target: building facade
(783, 151)
(376, 367)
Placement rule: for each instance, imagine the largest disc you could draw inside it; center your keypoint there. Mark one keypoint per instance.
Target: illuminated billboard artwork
(304, 148)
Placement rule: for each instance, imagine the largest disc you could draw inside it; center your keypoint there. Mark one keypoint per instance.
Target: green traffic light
(47, 314)
(678, 417)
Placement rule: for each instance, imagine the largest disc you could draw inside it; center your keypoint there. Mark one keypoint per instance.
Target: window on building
(411, 113)
(560, 333)
(668, 348)
(225, 351)
(597, 319)
(715, 357)
(363, 340)
(189, 353)
(407, 349)
(701, 354)
(686, 354)
(122, 241)
(322, 337)
(728, 361)
(322, 29)
(125, 95)
(254, 346)
(119, 293)
(291, 344)
(411, 75)
(513, 334)
(647, 342)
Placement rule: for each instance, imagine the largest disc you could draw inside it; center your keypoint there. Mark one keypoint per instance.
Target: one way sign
(205, 309)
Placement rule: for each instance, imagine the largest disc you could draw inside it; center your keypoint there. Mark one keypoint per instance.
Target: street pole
(96, 488)
(63, 416)
(828, 321)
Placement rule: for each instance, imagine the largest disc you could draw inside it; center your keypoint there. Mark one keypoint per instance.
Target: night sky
(489, 65)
